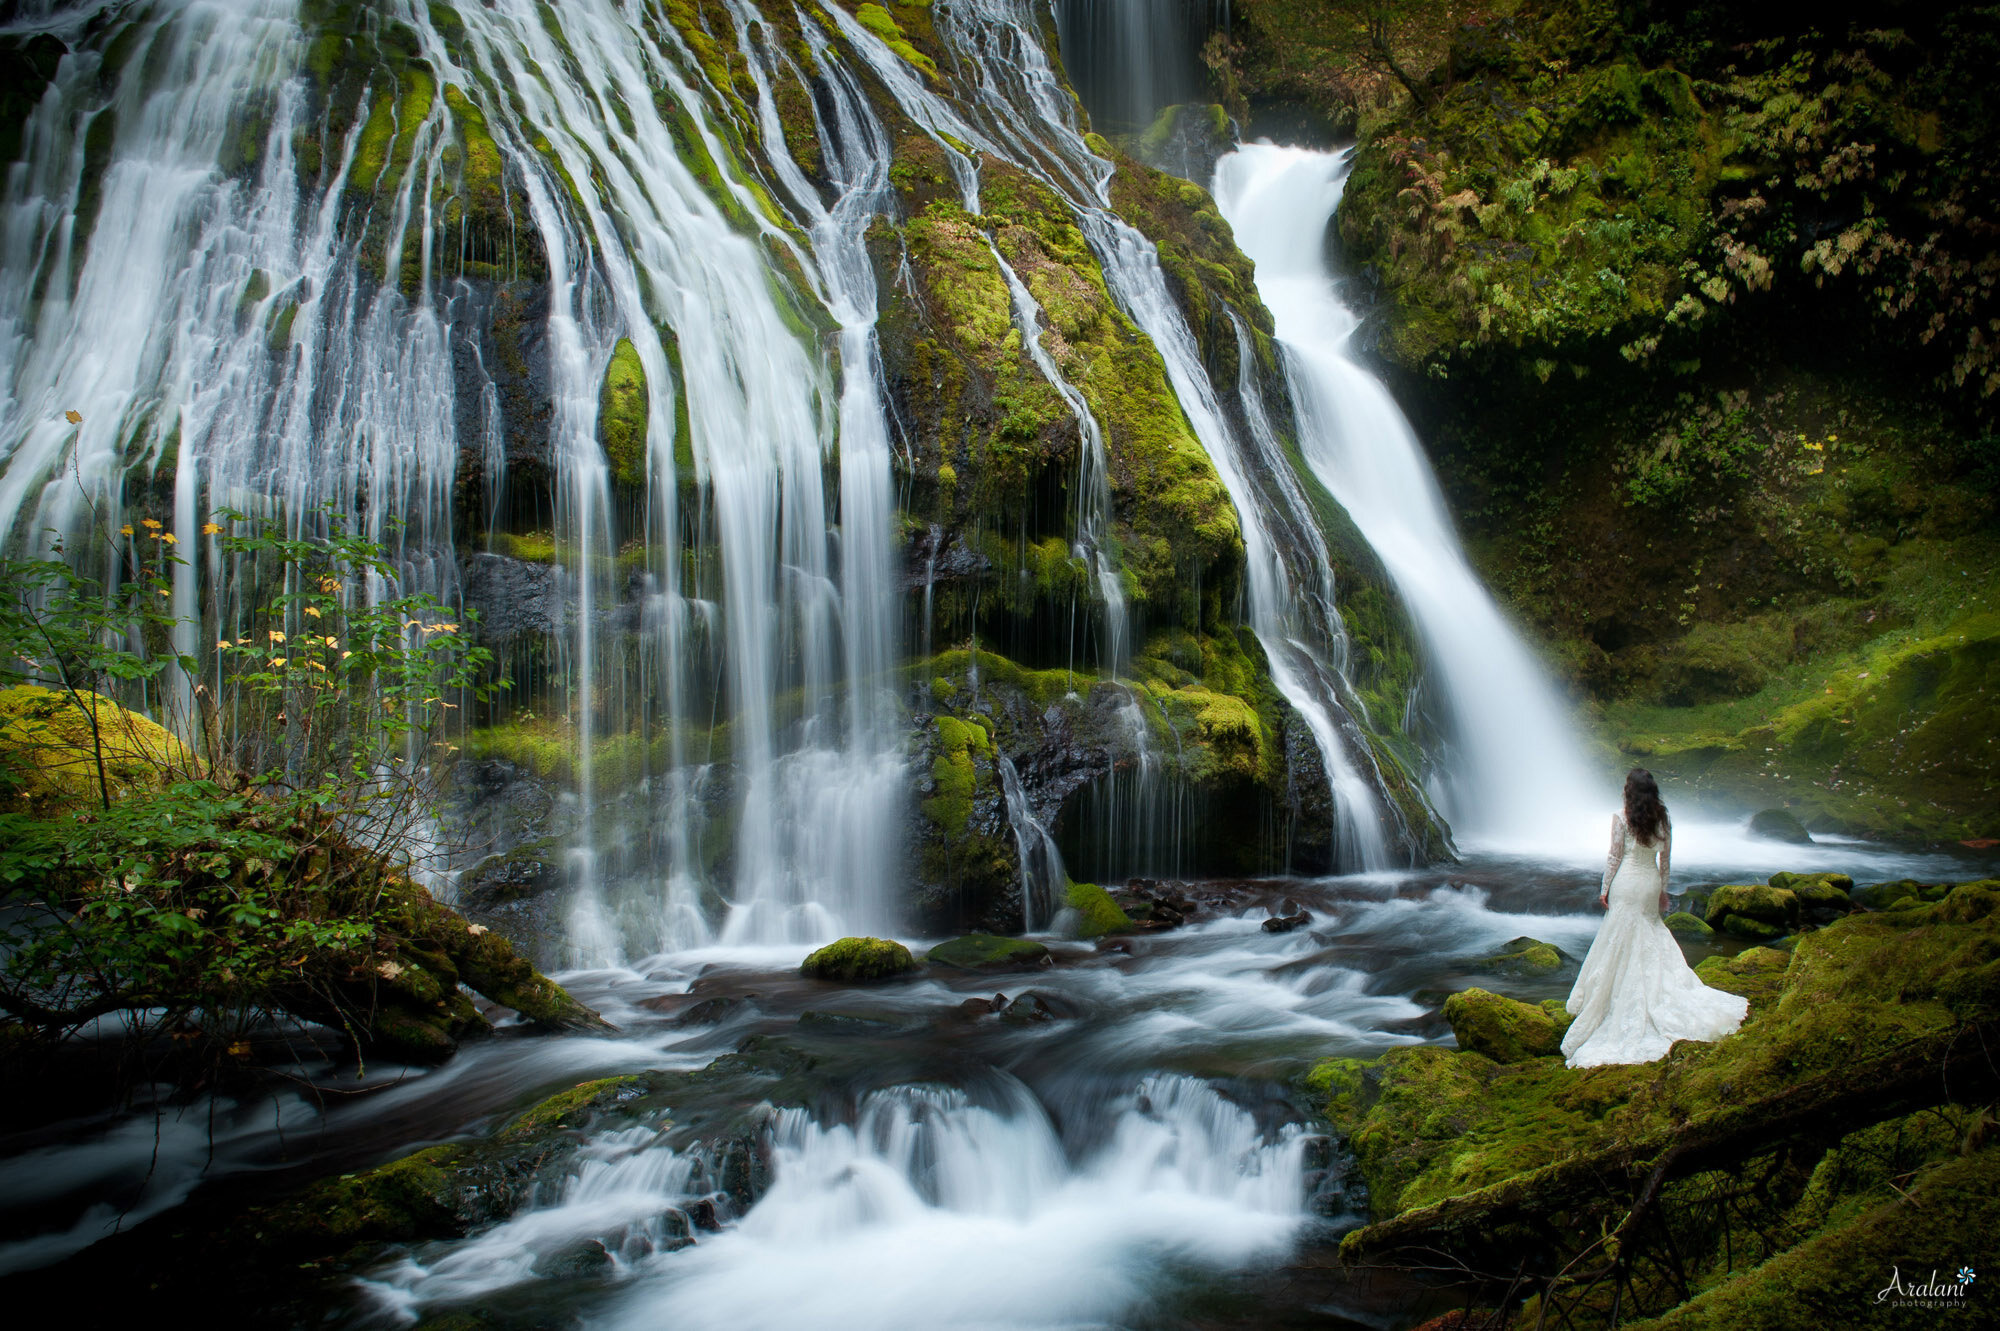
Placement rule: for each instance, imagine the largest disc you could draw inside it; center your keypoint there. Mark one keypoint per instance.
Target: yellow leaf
(276, 636)
(170, 538)
(277, 663)
(125, 530)
(73, 417)
(150, 524)
(210, 528)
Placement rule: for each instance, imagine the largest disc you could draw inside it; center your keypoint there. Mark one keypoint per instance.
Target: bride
(1635, 994)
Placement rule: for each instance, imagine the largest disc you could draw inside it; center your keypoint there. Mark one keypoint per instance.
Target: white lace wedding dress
(1636, 995)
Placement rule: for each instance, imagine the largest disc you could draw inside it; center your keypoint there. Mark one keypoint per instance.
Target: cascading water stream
(804, 611)
(1130, 58)
(1516, 776)
(932, 1208)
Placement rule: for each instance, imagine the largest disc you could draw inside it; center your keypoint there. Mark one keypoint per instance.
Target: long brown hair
(1645, 811)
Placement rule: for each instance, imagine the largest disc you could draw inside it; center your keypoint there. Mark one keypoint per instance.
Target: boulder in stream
(1504, 1029)
(859, 961)
(1525, 956)
(1684, 925)
(1779, 825)
(1753, 910)
(990, 952)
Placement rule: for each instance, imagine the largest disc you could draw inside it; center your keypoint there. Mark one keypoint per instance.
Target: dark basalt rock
(515, 598)
(1780, 825)
(1284, 924)
(1153, 904)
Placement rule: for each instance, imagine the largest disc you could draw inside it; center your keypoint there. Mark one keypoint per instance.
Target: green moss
(1757, 974)
(985, 952)
(1928, 1217)
(1685, 925)
(1524, 956)
(566, 1108)
(883, 24)
(953, 774)
(51, 746)
(1428, 1123)
(1900, 745)
(623, 411)
(536, 547)
(1504, 1030)
(1756, 901)
(1097, 913)
(859, 961)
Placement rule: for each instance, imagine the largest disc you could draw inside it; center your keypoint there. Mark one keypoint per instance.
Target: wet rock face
(1153, 904)
(515, 598)
(1187, 141)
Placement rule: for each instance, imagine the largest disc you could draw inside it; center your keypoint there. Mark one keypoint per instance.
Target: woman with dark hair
(1635, 994)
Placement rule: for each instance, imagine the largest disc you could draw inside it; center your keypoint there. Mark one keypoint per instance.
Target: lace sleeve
(1616, 856)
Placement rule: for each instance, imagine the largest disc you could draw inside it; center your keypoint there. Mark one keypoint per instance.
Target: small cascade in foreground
(1515, 773)
(932, 1208)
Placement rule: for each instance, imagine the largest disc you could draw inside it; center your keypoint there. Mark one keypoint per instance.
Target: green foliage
(210, 880)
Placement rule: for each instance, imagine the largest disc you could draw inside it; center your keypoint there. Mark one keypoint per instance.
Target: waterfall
(1128, 59)
(1515, 775)
(933, 1207)
(1024, 104)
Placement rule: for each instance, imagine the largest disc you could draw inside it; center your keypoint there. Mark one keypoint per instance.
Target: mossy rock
(1754, 901)
(859, 961)
(1779, 825)
(51, 743)
(1795, 882)
(989, 952)
(1818, 892)
(1684, 925)
(1742, 926)
(1757, 974)
(623, 414)
(1525, 956)
(1503, 1029)
(1886, 896)
(1097, 913)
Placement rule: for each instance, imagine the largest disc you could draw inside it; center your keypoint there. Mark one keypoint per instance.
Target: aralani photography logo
(1929, 1293)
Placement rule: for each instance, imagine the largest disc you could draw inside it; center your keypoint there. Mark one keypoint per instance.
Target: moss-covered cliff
(1691, 307)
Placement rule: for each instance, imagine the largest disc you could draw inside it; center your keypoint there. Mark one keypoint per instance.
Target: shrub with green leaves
(247, 854)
